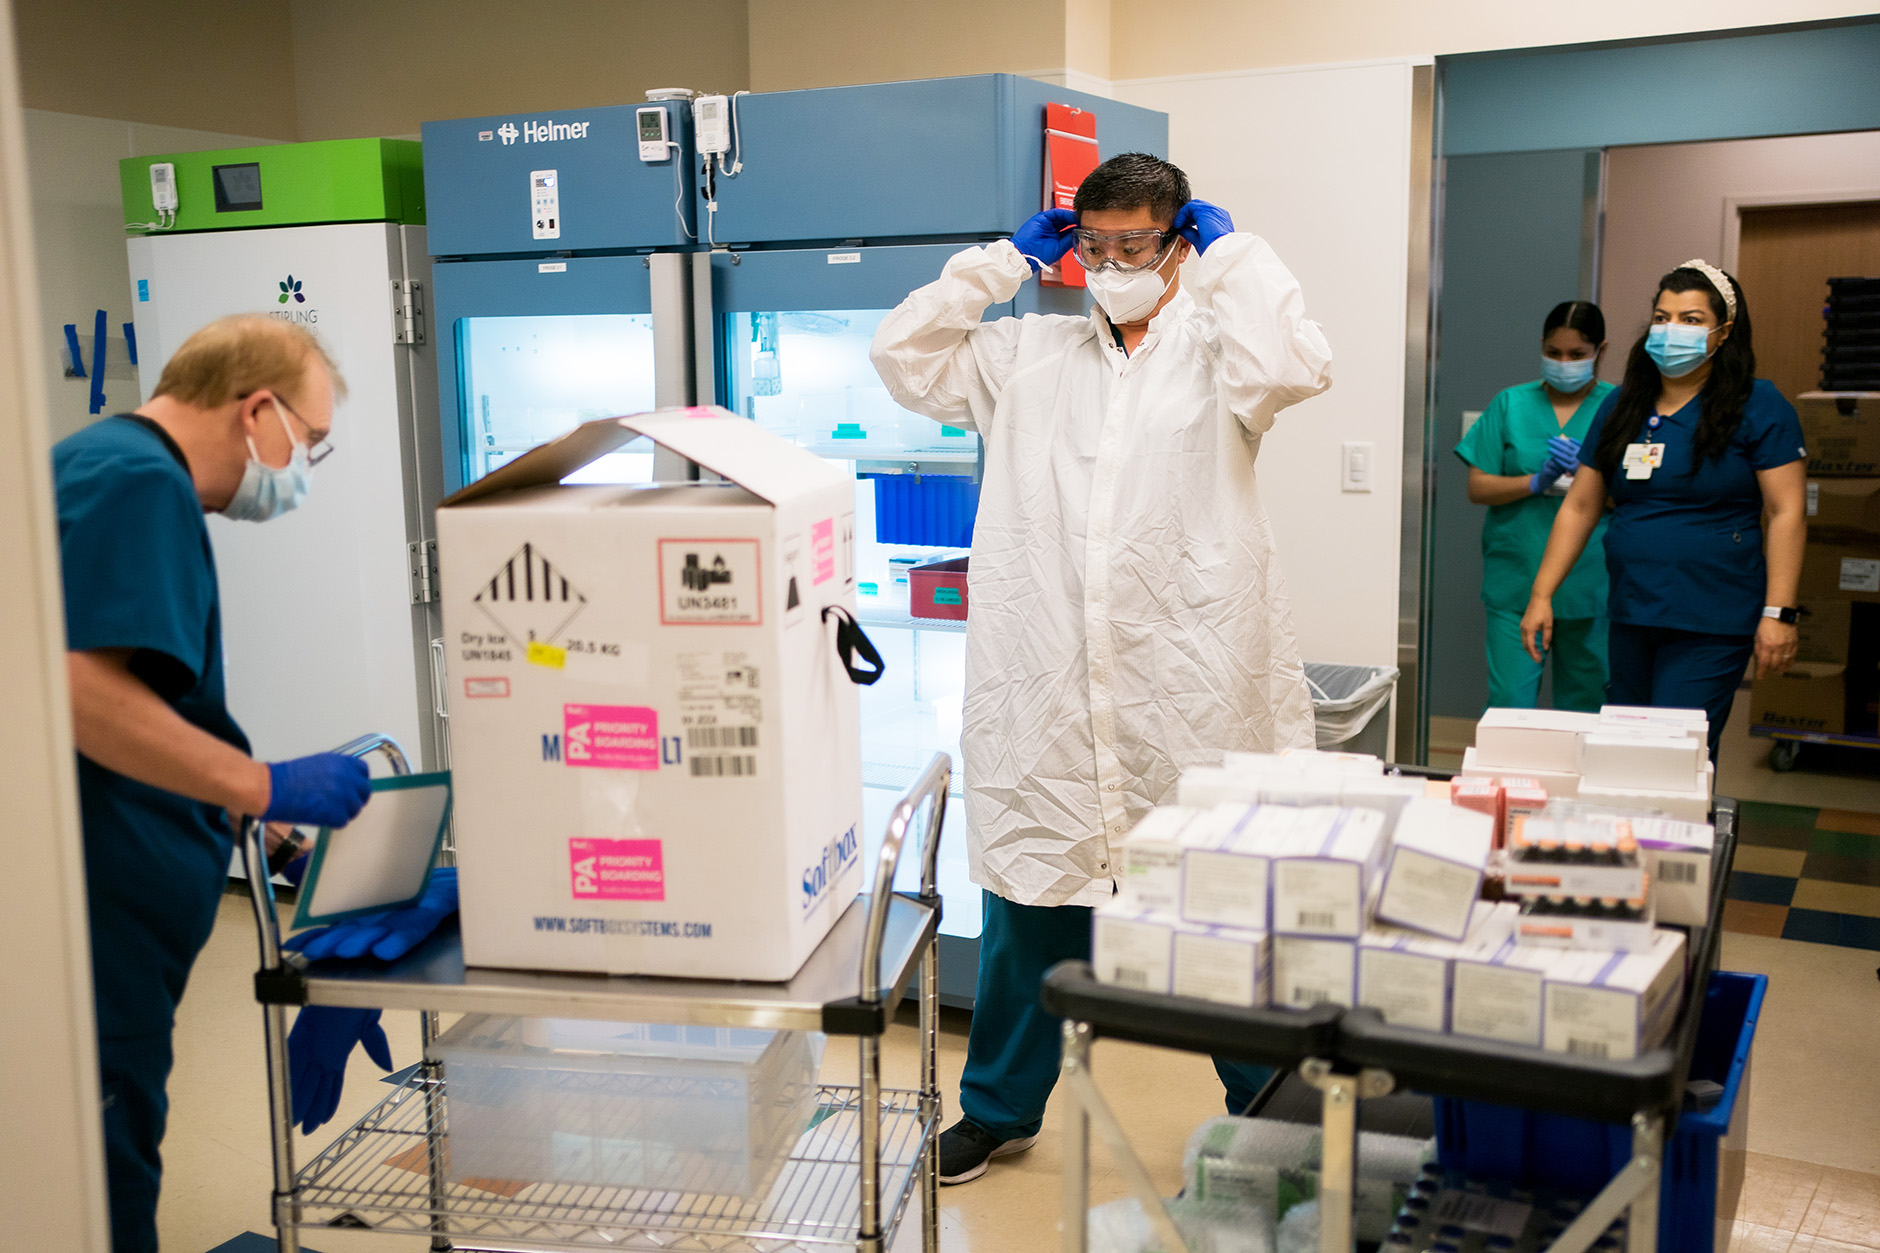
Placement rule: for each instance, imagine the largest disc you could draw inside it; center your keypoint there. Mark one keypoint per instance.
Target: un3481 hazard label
(710, 581)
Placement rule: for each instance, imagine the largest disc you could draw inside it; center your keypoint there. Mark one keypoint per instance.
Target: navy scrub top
(139, 574)
(1684, 547)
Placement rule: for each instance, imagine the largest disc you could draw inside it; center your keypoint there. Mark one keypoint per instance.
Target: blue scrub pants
(133, 1071)
(1013, 1052)
(1678, 670)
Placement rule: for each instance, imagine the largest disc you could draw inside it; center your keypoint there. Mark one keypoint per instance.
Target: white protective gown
(1129, 618)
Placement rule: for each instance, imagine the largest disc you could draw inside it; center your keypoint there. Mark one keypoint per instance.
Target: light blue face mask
(266, 492)
(1677, 349)
(1567, 376)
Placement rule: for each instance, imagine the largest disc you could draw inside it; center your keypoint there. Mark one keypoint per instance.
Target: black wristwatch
(1781, 614)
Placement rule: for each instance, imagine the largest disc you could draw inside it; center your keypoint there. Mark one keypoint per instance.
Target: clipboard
(382, 859)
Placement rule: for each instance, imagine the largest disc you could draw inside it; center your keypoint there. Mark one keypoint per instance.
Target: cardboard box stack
(1834, 686)
(1291, 881)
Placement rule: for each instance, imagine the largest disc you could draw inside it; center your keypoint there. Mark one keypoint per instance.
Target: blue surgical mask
(1567, 376)
(1678, 349)
(266, 492)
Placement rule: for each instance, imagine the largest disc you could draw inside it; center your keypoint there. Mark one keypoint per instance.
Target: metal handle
(438, 679)
(932, 785)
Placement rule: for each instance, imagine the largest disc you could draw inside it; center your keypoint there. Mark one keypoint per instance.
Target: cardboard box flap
(765, 465)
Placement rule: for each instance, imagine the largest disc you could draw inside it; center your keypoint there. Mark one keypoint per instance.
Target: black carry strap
(850, 639)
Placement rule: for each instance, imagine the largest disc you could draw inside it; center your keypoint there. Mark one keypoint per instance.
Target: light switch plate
(1355, 465)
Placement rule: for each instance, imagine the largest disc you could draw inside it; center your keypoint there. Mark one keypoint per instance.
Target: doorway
(1785, 256)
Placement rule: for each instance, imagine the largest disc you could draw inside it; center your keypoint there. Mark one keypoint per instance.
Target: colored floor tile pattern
(1806, 874)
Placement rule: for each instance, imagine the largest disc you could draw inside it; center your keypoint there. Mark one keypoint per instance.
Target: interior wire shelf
(376, 1176)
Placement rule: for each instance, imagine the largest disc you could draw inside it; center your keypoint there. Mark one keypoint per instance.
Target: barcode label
(1677, 872)
(1124, 977)
(1587, 1048)
(1310, 996)
(720, 737)
(726, 765)
(1481, 1213)
(1317, 918)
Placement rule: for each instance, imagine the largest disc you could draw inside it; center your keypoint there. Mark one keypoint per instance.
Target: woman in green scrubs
(1521, 453)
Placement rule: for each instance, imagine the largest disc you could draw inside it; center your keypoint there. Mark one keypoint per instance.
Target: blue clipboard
(381, 859)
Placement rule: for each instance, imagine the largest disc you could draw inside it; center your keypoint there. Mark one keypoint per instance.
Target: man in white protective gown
(1129, 618)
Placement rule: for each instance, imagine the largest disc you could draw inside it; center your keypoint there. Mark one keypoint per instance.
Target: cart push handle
(255, 857)
(931, 786)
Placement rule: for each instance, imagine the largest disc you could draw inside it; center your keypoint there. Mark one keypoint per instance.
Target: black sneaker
(966, 1148)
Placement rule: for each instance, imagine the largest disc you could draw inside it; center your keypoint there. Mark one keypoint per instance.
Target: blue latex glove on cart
(317, 1049)
(1201, 223)
(388, 935)
(324, 790)
(1046, 237)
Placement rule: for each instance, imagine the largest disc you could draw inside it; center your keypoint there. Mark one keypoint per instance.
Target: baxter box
(1842, 431)
(1824, 631)
(1844, 504)
(1809, 696)
(1842, 566)
(655, 741)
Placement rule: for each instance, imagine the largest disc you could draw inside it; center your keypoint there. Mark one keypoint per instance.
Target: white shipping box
(1694, 723)
(1614, 1005)
(1558, 783)
(1434, 874)
(655, 744)
(1406, 976)
(1496, 990)
(1677, 857)
(1686, 805)
(1530, 740)
(1634, 758)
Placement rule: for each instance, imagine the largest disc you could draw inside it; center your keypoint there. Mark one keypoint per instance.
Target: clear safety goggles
(1122, 250)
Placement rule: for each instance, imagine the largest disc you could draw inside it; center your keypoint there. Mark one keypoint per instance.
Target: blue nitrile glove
(1046, 237)
(317, 1049)
(387, 935)
(1201, 223)
(324, 790)
(1564, 448)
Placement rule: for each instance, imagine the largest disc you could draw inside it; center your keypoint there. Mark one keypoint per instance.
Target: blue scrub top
(1684, 547)
(139, 574)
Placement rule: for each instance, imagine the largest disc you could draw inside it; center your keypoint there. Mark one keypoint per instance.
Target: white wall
(1666, 202)
(1316, 160)
(78, 242)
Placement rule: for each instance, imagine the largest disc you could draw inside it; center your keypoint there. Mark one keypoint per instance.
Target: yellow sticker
(541, 654)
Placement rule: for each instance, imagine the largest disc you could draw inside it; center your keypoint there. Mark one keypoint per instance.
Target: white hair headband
(1719, 280)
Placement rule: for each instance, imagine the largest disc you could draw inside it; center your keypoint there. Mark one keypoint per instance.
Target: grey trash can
(1347, 702)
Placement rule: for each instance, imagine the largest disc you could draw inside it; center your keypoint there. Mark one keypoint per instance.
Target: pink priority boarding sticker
(617, 870)
(616, 737)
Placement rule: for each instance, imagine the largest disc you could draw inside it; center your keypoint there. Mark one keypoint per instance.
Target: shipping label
(616, 870)
(611, 737)
(721, 713)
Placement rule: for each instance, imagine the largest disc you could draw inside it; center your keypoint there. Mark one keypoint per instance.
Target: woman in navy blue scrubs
(1695, 453)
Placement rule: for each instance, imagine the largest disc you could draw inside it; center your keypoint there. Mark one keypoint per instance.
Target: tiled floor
(1806, 874)
(1797, 1207)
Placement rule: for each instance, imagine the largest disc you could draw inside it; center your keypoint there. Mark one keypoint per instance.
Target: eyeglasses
(1122, 250)
(320, 448)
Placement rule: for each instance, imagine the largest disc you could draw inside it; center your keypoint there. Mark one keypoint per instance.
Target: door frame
(1733, 207)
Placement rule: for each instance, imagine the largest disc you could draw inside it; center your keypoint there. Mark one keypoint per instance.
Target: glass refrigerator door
(805, 375)
(527, 380)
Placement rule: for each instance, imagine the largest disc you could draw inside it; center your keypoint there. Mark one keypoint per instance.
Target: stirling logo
(827, 870)
(699, 578)
(508, 132)
(291, 287)
(288, 292)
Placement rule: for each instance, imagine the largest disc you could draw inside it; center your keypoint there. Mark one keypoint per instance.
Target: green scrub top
(1511, 438)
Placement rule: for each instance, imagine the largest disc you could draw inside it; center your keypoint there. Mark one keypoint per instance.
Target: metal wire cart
(847, 1184)
(1351, 1055)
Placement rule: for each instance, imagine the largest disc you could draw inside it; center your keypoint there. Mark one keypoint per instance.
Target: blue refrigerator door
(793, 329)
(527, 349)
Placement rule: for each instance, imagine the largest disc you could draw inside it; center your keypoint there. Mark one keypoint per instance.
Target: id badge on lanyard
(1642, 459)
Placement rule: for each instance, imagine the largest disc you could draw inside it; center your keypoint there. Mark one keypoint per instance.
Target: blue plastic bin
(935, 510)
(1699, 1191)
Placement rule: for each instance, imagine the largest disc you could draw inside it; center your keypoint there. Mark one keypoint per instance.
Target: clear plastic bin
(682, 1109)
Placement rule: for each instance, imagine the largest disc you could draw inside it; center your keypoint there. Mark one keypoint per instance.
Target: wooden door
(1784, 260)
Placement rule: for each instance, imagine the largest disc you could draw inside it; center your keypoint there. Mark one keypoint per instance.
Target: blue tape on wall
(97, 363)
(76, 369)
(130, 341)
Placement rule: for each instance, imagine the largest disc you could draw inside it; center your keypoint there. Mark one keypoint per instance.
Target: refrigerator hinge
(407, 311)
(422, 558)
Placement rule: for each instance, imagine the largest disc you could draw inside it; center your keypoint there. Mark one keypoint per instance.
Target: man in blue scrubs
(240, 416)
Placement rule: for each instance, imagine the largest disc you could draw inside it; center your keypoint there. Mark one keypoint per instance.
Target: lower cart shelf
(376, 1176)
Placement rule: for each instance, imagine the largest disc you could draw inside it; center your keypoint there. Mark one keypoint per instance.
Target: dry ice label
(531, 598)
(611, 737)
(710, 582)
(616, 870)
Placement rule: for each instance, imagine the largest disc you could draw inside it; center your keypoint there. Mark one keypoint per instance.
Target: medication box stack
(656, 742)
(1612, 1005)
(1581, 882)
(1407, 977)
(1624, 757)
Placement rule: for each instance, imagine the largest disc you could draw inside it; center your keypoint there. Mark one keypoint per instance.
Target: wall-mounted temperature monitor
(654, 145)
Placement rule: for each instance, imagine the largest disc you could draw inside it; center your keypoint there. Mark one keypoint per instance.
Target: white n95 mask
(1127, 295)
(266, 492)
